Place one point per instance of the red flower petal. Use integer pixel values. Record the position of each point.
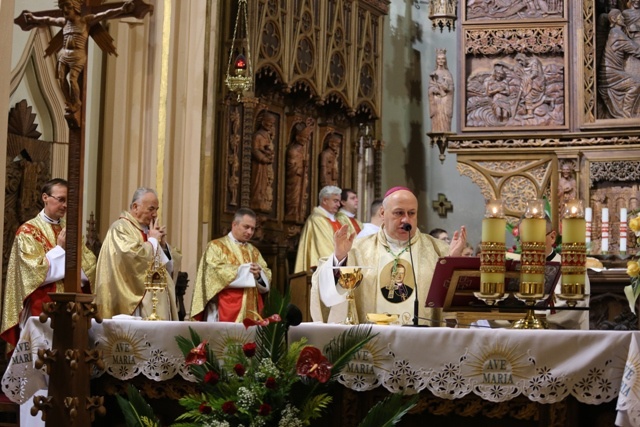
(239, 369)
(265, 409)
(313, 364)
(198, 355)
(211, 377)
(247, 322)
(229, 407)
(249, 349)
(204, 408)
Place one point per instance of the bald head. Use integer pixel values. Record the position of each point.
(399, 208)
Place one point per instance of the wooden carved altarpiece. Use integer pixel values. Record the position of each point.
(539, 106)
(318, 70)
(28, 168)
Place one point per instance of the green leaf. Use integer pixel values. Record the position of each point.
(314, 406)
(389, 411)
(344, 347)
(271, 340)
(136, 410)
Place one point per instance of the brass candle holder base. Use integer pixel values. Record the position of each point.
(530, 321)
(572, 293)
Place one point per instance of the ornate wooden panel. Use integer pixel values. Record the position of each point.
(318, 70)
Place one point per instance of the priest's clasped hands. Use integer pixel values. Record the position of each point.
(255, 269)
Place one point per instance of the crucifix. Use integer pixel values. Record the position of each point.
(69, 361)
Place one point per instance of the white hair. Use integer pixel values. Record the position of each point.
(137, 195)
(329, 190)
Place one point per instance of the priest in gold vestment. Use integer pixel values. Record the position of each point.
(37, 262)
(316, 238)
(232, 275)
(387, 255)
(130, 246)
(348, 210)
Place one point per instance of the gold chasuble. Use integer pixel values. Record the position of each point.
(217, 270)
(388, 286)
(316, 239)
(355, 226)
(122, 265)
(27, 270)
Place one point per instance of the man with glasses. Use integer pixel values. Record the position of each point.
(131, 244)
(37, 262)
(385, 253)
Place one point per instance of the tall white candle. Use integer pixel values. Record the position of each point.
(604, 236)
(588, 214)
(623, 230)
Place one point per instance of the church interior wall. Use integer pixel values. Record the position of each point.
(409, 159)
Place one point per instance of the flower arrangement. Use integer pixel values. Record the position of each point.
(633, 268)
(270, 382)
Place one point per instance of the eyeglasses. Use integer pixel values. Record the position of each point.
(59, 199)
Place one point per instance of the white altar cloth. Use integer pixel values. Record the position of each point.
(130, 348)
(496, 364)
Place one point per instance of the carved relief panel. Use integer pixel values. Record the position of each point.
(514, 76)
(317, 69)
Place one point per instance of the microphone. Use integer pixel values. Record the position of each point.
(407, 227)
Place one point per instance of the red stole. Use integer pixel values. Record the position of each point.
(335, 224)
(230, 300)
(354, 222)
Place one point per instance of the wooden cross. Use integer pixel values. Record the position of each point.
(442, 205)
(69, 402)
(79, 20)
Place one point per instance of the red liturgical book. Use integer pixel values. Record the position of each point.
(457, 278)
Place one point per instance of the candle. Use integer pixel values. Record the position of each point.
(588, 214)
(573, 250)
(533, 230)
(492, 256)
(604, 235)
(623, 231)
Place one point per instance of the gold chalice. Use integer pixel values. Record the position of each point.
(350, 278)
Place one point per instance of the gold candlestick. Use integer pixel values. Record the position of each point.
(533, 260)
(574, 253)
(492, 255)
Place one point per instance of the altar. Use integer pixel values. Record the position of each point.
(493, 365)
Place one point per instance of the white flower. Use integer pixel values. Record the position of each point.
(246, 398)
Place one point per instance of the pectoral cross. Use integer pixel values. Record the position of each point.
(79, 20)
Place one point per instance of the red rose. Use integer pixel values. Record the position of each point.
(270, 383)
(211, 377)
(265, 409)
(204, 408)
(229, 407)
(239, 370)
(249, 349)
(515, 231)
(313, 364)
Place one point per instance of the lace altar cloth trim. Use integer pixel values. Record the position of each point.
(130, 348)
(496, 365)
